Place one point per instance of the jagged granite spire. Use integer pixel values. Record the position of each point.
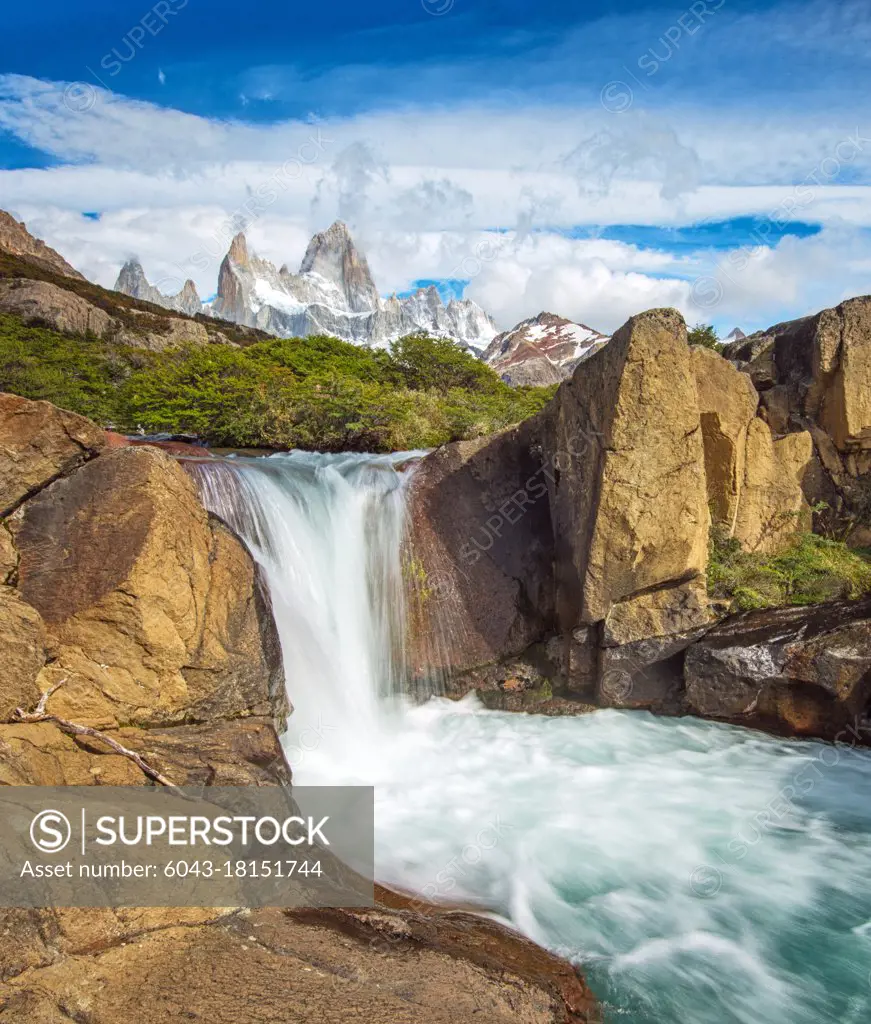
(333, 255)
(238, 251)
(334, 294)
(133, 282)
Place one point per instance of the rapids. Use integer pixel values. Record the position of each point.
(698, 873)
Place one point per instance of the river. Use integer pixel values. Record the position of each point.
(698, 873)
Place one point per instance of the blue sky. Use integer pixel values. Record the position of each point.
(590, 159)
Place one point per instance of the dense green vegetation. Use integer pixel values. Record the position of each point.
(811, 569)
(317, 393)
(704, 335)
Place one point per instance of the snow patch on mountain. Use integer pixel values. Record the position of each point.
(542, 350)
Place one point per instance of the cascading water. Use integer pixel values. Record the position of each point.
(700, 873)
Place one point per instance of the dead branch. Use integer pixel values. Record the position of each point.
(74, 729)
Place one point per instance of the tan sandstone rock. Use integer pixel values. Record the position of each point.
(39, 442)
(727, 404)
(153, 606)
(240, 753)
(630, 506)
(381, 966)
(22, 653)
(844, 348)
(772, 506)
(817, 369)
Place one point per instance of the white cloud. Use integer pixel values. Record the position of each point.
(424, 190)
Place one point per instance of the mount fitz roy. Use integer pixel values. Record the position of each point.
(333, 293)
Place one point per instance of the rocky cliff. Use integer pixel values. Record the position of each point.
(17, 240)
(41, 291)
(812, 376)
(574, 550)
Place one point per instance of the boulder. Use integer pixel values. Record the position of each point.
(772, 505)
(38, 443)
(628, 500)
(154, 609)
(727, 404)
(480, 562)
(40, 302)
(819, 368)
(802, 671)
(646, 673)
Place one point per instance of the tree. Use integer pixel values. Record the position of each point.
(704, 335)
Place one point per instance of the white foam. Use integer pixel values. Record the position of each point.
(645, 849)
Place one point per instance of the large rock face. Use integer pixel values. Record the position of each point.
(586, 527)
(772, 506)
(481, 555)
(804, 671)
(817, 369)
(727, 406)
(39, 442)
(22, 653)
(812, 374)
(629, 506)
(44, 303)
(154, 607)
(332, 255)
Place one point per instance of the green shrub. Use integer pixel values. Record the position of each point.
(810, 570)
(81, 374)
(705, 336)
(317, 393)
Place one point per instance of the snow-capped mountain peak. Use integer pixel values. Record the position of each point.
(542, 350)
(333, 293)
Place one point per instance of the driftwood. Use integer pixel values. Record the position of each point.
(74, 729)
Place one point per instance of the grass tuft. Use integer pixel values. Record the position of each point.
(810, 570)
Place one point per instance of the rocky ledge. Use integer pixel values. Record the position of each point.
(389, 964)
(145, 619)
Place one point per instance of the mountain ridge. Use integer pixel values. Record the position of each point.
(332, 293)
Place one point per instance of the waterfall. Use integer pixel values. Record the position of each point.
(699, 873)
(327, 532)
